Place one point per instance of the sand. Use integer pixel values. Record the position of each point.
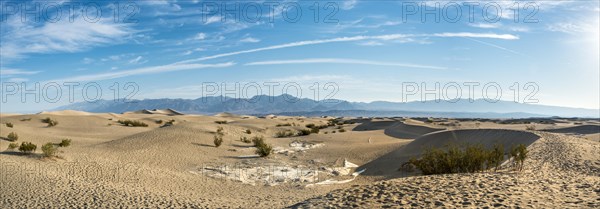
(109, 165)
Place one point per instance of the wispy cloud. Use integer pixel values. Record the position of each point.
(250, 40)
(345, 61)
(13, 72)
(138, 60)
(142, 71)
(496, 46)
(387, 37)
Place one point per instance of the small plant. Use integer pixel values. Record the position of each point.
(27, 147)
(10, 125)
(262, 148)
(50, 122)
(158, 121)
(221, 122)
(133, 123)
(519, 153)
(49, 150)
(245, 140)
(12, 136)
(26, 119)
(218, 138)
(248, 131)
(283, 124)
(530, 127)
(13, 146)
(65, 143)
(342, 130)
(283, 134)
(310, 125)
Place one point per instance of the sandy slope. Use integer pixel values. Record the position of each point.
(110, 165)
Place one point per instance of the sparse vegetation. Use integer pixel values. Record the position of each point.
(26, 119)
(283, 134)
(12, 136)
(51, 122)
(27, 147)
(133, 123)
(473, 158)
(158, 121)
(283, 124)
(10, 125)
(12, 146)
(65, 143)
(303, 132)
(530, 127)
(221, 122)
(342, 130)
(248, 131)
(49, 150)
(245, 140)
(262, 148)
(218, 138)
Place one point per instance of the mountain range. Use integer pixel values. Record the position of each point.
(289, 105)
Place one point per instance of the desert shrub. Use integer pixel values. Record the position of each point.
(49, 150)
(429, 120)
(470, 159)
(245, 140)
(158, 121)
(27, 147)
(13, 146)
(262, 148)
(315, 130)
(248, 131)
(530, 127)
(26, 119)
(133, 123)
(12, 136)
(10, 125)
(519, 154)
(283, 134)
(283, 124)
(310, 125)
(51, 122)
(333, 132)
(218, 140)
(257, 140)
(221, 122)
(303, 132)
(65, 143)
(325, 132)
(342, 130)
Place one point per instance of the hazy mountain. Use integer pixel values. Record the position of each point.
(289, 105)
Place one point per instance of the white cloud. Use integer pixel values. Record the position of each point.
(200, 36)
(18, 80)
(345, 61)
(12, 72)
(87, 60)
(20, 39)
(387, 37)
(138, 60)
(349, 4)
(212, 19)
(250, 40)
(485, 25)
(142, 71)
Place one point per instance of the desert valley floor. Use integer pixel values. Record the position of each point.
(354, 162)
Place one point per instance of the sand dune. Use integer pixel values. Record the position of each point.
(584, 129)
(168, 111)
(387, 166)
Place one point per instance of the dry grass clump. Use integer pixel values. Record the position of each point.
(284, 134)
(26, 119)
(248, 131)
(133, 123)
(530, 127)
(51, 122)
(283, 124)
(65, 143)
(10, 125)
(221, 122)
(245, 140)
(304, 132)
(470, 159)
(49, 150)
(12, 136)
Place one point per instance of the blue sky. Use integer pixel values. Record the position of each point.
(368, 49)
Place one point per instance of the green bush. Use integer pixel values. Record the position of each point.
(342, 130)
(283, 124)
(49, 150)
(50, 122)
(158, 121)
(471, 159)
(248, 131)
(12, 136)
(27, 147)
(13, 146)
(10, 125)
(530, 127)
(133, 123)
(221, 122)
(519, 154)
(310, 125)
(303, 132)
(262, 148)
(65, 143)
